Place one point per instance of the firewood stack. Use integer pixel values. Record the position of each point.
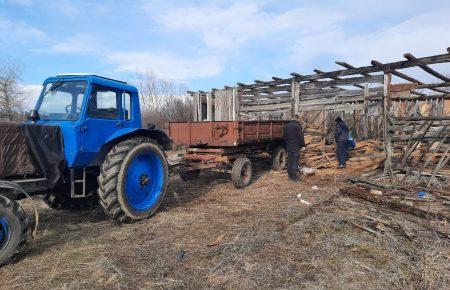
(319, 155)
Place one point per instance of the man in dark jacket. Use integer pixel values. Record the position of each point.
(293, 135)
(341, 137)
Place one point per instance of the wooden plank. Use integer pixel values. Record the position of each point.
(209, 116)
(295, 91)
(195, 106)
(428, 69)
(341, 82)
(266, 107)
(389, 150)
(366, 111)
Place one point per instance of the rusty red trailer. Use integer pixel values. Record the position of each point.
(228, 145)
(225, 133)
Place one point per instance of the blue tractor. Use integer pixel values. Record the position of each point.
(83, 144)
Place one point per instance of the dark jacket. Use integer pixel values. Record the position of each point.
(293, 134)
(341, 133)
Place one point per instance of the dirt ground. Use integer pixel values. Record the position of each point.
(209, 235)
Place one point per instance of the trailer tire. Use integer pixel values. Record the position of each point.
(241, 172)
(14, 229)
(279, 158)
(133, 179)
(189, 175)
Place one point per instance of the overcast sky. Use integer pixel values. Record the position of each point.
(215, 43)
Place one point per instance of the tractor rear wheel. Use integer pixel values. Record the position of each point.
(14, 229)
(241, 172)
(133, 179)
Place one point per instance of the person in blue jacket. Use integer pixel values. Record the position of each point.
(341, 137)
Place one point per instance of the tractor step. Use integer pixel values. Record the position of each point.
(74, 189)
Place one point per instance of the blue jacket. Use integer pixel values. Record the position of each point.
(341, 133)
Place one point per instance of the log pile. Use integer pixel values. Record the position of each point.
(319, 155)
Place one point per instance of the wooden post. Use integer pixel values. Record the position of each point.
(233, 107)
(295, 93)
(237, 104)
(199, 108)
(209, 116)
(195, 107)
(366, 111)
(387, 134)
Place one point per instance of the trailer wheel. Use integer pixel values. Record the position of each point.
(279, 158)
(14, 229)
(189, 175)
(133, 179)
(241, 172)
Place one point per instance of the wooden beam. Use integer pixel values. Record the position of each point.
(426, 68)
(366, 111)
(387, 134)
(356, 85)
(295, 91)
(403, 76)
(195, 106)
(347, 81)
(209, 116)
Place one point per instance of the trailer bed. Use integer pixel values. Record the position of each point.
(225, 133)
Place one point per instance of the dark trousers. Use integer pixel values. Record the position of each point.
(293, 159)
(342, 152)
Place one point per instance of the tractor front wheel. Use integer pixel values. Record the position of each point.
(14, 229)
(133, 179)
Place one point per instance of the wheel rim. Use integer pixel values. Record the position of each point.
(144, 181)
(5, 232)
(246, 172)
(282, 159)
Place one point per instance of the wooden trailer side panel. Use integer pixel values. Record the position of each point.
(225, 133)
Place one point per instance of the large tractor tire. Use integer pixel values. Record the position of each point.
(14, 229)
(133, 179)
(241, 172)
(279, 158)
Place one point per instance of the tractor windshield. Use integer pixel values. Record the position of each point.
(61, 100)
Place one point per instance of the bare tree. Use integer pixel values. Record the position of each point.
(163, 101)
(11, 93)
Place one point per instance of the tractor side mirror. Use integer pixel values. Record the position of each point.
(151, 126)
(33, 116)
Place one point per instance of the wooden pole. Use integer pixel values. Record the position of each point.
(387, 134)
(366, 111)
(209, 116)
(199, 108)
(295, 93)
(195, 107)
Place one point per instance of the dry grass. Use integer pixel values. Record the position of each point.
(259, 237)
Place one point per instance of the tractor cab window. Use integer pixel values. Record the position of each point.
(61, 100)
(126, 106)
(103, 103)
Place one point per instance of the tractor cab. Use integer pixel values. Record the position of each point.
(90, 110)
